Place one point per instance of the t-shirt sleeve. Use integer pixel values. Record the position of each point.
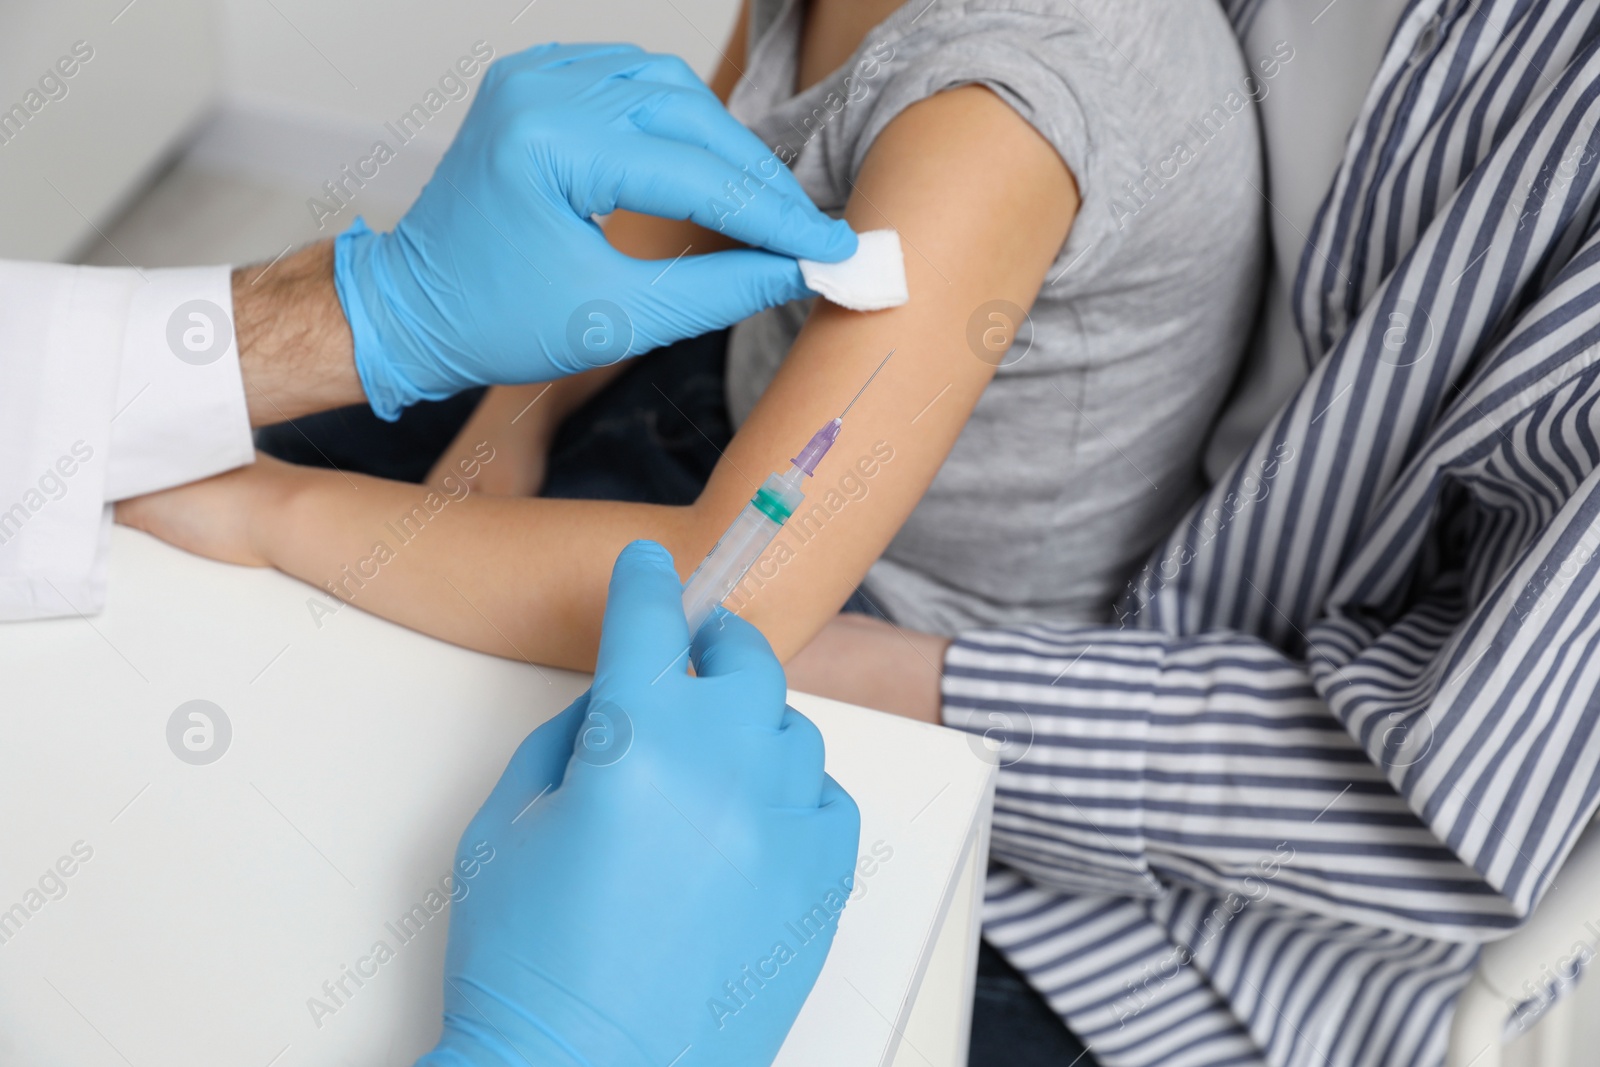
(1057, 72)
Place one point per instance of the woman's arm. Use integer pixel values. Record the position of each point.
(983, 204)
(861, 660)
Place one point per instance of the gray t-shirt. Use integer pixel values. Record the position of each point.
(1084, 451)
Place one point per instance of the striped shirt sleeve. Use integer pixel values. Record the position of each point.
(1133, 762)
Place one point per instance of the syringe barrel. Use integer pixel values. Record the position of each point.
(737, 550)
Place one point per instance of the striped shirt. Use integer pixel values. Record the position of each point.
(1346, 730)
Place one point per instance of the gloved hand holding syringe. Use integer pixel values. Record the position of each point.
(737, 550)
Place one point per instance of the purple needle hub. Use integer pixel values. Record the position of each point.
(817, 447)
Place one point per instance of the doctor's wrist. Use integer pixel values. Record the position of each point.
(295, 350)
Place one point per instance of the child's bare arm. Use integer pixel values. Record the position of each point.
(519, 422)
(983, 204)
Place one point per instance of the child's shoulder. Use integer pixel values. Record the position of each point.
(1115, 86)
(1148, 102)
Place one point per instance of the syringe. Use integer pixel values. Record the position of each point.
(737, 550)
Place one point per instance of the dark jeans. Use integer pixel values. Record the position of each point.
(652, 437)
(1012, 1026)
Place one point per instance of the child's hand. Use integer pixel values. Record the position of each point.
(220, 517)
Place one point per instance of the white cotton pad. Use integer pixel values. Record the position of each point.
(871, 280)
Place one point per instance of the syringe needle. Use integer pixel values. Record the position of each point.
(863, 388)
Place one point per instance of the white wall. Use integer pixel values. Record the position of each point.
(309, 85)
(370, 58)
(295, 89)
(152, 74)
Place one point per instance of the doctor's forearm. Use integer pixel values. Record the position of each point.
(295, 349)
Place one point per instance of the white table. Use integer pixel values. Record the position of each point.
(220, 896)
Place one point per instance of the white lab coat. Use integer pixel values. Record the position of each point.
(97, 406)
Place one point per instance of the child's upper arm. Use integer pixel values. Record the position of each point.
(983, 204)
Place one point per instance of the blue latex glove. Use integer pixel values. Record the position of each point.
(499, 275)
(653, 847)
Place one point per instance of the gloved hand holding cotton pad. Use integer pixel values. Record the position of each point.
(871, 280)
